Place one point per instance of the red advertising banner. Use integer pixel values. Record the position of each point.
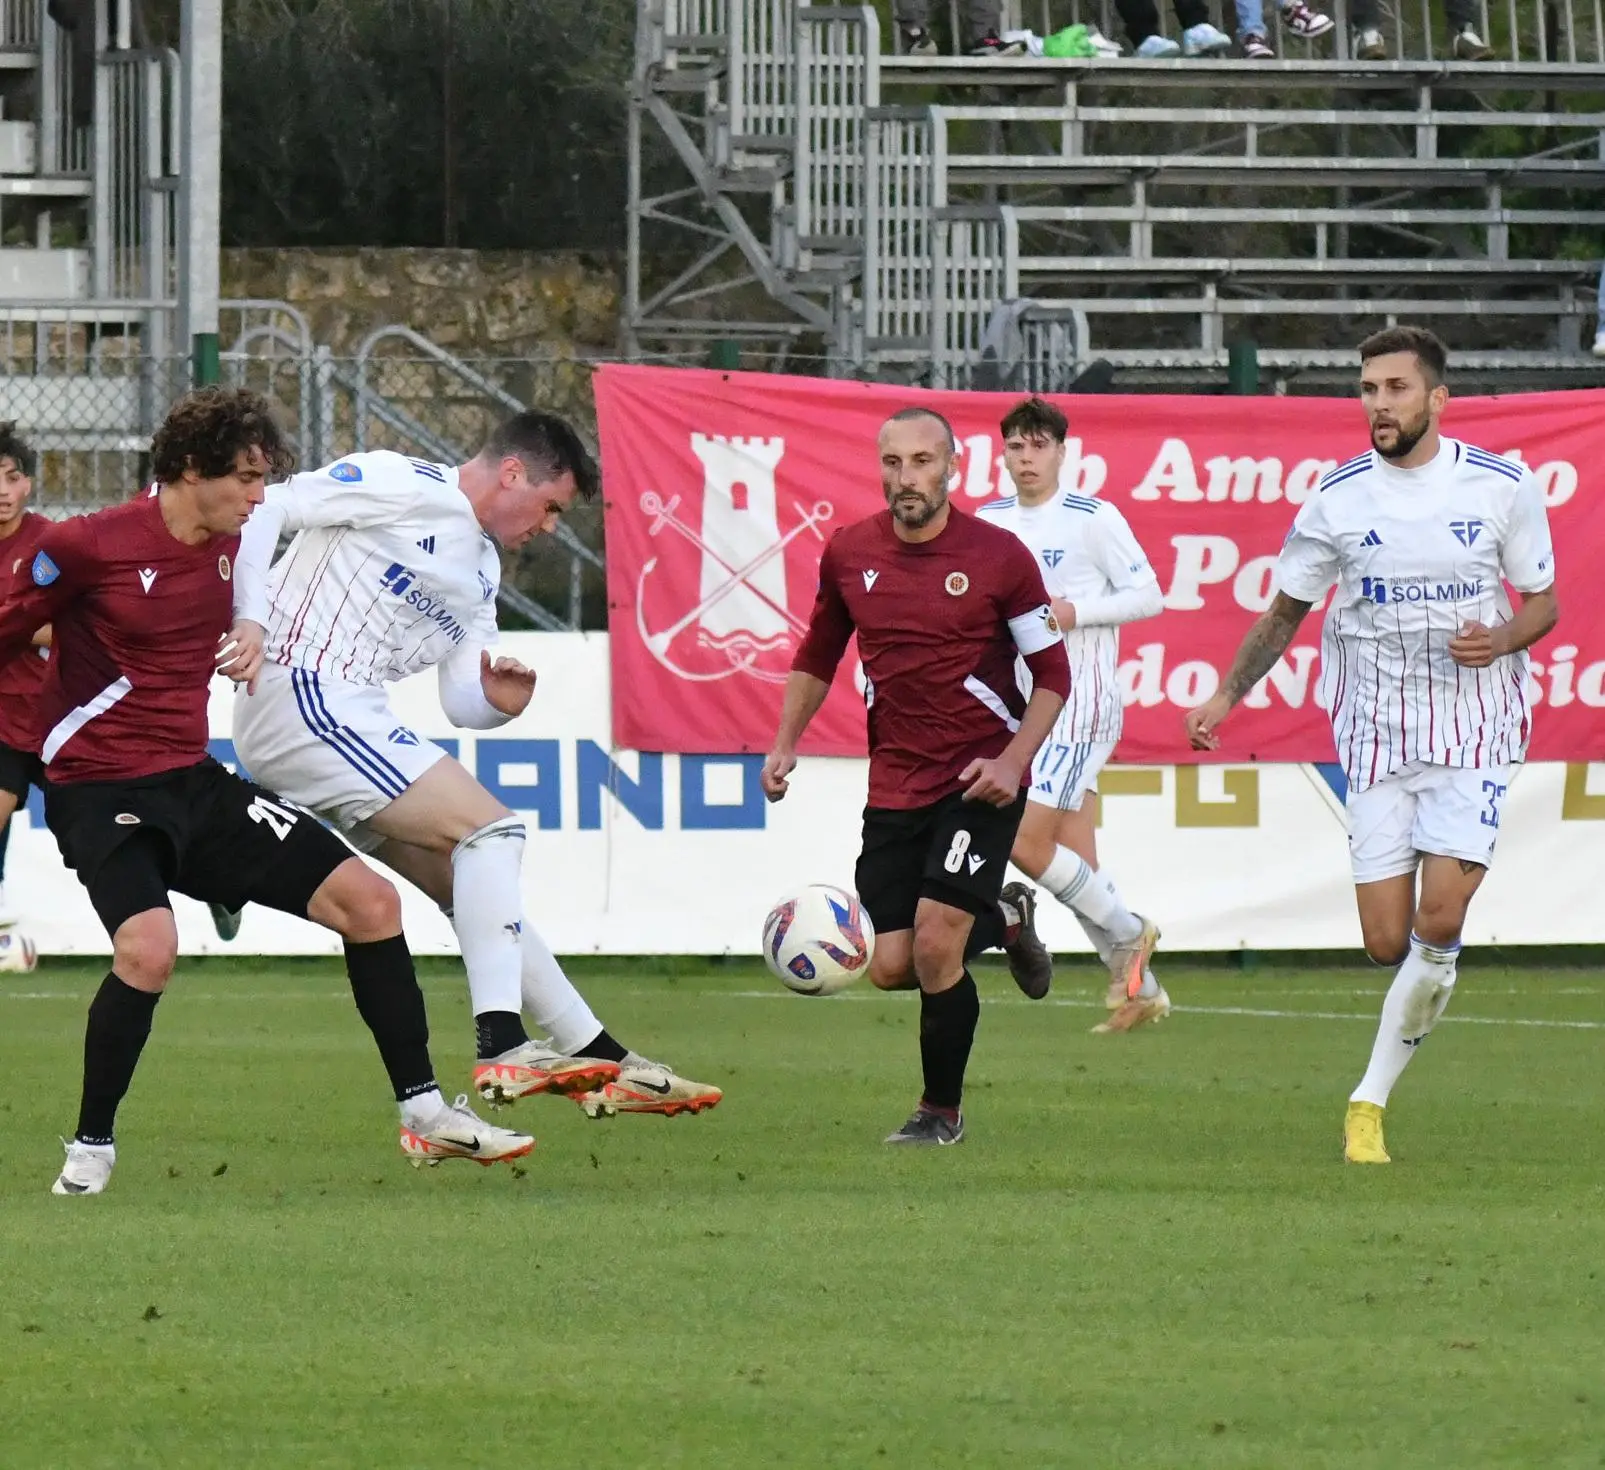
(722, 488)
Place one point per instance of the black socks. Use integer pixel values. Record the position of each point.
(947, 1029)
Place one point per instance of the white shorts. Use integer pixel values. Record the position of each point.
(1063, 774)
(337, 749)
(1445, 811)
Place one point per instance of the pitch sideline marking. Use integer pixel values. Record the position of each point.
(1254, 1011)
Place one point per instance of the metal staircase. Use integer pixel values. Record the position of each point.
(1050, 212)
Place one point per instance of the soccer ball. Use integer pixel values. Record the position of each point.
(818, 941)
(17, 954)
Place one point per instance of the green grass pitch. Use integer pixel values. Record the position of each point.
(1146, 1253)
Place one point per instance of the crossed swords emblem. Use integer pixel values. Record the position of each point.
(743, 657)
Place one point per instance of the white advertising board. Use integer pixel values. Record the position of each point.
(662, 854)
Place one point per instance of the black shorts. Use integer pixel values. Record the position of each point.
(954, 851)
(20, 769)
(201, 831)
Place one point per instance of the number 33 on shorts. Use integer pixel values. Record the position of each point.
(1494, 791)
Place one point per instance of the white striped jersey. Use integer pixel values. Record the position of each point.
(1415, 555)
(1086, 552)
(389, 571)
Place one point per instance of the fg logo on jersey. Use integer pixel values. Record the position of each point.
(45, 571)
(346, 474)
(1052, 556)
(486, 589)
(401, 735)
(1466, 532)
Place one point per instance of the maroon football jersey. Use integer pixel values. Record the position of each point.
(939, 623)
(137, 616)
(22, 678)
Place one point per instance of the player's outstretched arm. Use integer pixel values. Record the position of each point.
(805, 693)
(1264, 643)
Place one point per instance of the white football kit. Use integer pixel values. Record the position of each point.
(1427, 745)
(1088, 557)
(388, 574)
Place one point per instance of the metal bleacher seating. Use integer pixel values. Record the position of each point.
(890, 210)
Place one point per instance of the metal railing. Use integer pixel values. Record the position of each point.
(1568, 32)
(84, 388)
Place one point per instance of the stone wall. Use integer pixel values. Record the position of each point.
(503, 303)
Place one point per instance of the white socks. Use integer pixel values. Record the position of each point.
(1418, 996)
(419, 1113)
(551, 999)
(1090, 894)
(487, 912)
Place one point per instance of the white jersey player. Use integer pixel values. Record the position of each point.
(1424, 668)
(394, 568)
(1098, 577)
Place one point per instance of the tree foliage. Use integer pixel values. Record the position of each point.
(491, 124)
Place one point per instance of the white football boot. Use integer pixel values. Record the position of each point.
(649, 1087)
(457, 1132)
(87, 1170)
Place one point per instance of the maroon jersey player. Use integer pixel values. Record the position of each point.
(140, 602)
(20, 681)
(942, 604)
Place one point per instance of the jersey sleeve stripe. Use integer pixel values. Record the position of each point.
(1484, 460)
(1344, 472)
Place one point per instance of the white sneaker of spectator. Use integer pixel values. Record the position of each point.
(1368, 45)
(1204, 40)
(1469, 46)
(1599, 343)
(1157, 48)
(1257, 48)
(1303, 22)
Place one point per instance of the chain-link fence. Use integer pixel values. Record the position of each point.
(89, 403)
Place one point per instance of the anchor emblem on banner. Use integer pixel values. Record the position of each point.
(742, 613)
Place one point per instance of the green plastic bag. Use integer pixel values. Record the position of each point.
(1071, 41)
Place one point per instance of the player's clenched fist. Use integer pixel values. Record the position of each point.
(778, 764)
(1474, 647)
(996, 782)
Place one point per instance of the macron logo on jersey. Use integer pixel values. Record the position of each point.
(1417, 589)
(869, 580)
(1466, 532)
